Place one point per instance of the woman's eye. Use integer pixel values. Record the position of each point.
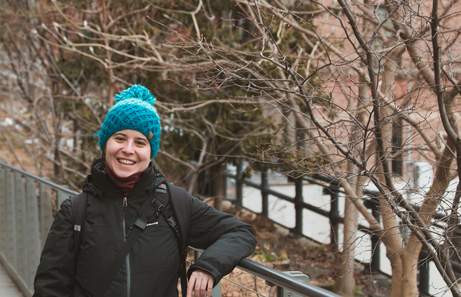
(141, 143)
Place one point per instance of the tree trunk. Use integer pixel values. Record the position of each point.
(218, 185)
(393, 242)
(345, 282)
(193, 181)
(428, 208)
(392, 239)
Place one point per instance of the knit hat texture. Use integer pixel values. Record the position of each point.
(133, 109)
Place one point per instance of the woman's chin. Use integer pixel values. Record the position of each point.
(124, 172)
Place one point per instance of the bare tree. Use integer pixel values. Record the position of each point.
(340, 79)
(345, 76)
(84, 54)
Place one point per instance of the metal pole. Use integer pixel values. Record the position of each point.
(375, 242)
(21, 235)
(264, 194)
(333, 216)
(61, 196)
(33, 233)
(298, 206)
(239, 186)
(10, 220)
(283, 280)
(423, 285)
(46, 213)
(3, 238)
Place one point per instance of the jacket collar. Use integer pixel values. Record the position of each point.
(100, 182)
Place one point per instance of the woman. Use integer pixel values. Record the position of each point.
(118, 186)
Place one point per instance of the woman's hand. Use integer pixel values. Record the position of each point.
(200, 282)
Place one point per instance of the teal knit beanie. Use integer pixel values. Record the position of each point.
(133, 109)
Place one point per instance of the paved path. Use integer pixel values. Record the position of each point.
(7, 287)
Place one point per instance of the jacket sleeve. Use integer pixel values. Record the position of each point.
(225, 239)
(55, 273)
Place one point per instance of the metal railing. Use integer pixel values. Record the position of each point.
(27, 205)
(276, 278)
(283, 280)
(331, 187)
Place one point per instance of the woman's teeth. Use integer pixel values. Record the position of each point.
(127, 162)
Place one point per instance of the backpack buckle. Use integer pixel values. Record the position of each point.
(172, 222)
(157, 205)
(140, 224)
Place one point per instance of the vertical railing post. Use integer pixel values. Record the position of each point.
(239, 186)
(10, 219)
(21, 235)
(298, 206)
(423, 285)
(33, 236)
(333, 215)
(375, 242)
(264, 194)
(3, 215)
(46, 213)
(60, 199)
(283, 292)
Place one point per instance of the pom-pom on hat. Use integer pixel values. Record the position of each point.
(133, 109)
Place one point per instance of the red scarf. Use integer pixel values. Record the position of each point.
(125, 183)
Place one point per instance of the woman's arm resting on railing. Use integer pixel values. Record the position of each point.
(225, 239)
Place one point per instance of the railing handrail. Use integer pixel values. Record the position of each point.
(280, 279)
(373, 194)
(40, 179)
(331, 182)
(283, 280)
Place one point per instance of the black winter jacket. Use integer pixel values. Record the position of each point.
(152, 266)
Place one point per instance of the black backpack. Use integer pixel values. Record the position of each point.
(177, 216)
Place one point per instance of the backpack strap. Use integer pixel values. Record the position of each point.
(181, 208)
(79, 203)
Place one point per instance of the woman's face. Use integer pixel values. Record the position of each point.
(127, 152)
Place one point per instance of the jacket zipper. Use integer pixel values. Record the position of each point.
(127, 260)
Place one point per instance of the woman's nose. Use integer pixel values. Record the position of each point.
(128, 148)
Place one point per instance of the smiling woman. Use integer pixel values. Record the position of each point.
(126, 195)
(127, 152)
